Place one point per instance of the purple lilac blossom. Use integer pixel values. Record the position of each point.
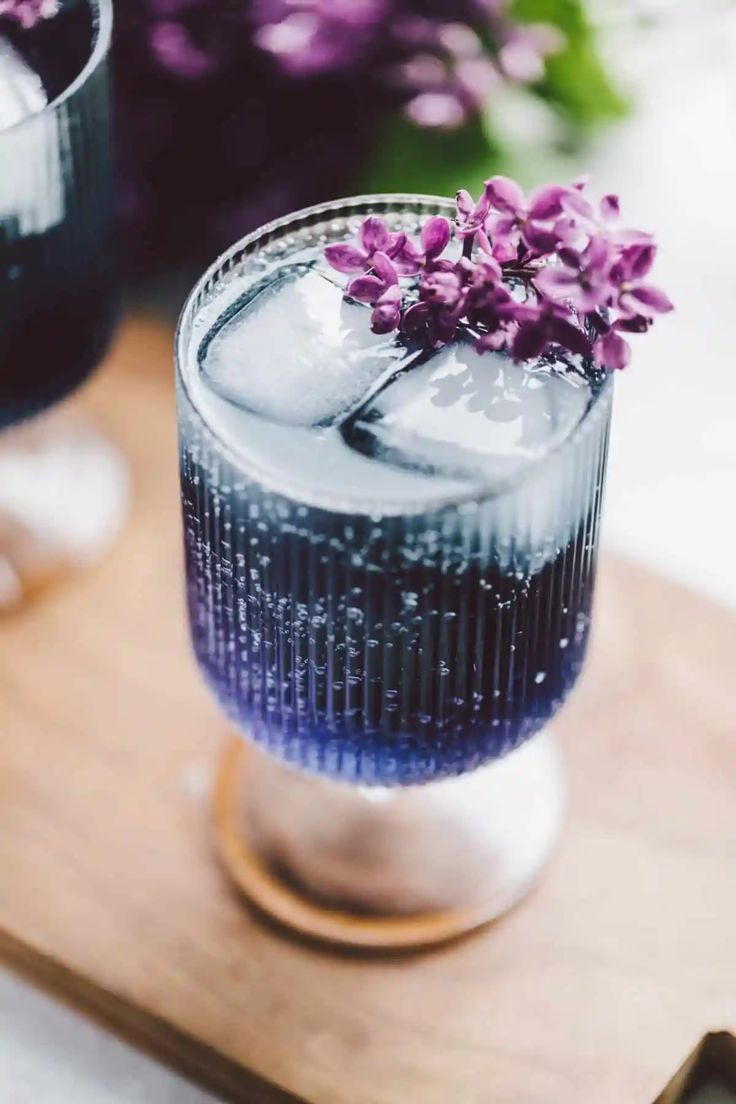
(373, 237)
(584, 277)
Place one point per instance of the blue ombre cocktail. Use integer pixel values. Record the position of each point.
(390, 550)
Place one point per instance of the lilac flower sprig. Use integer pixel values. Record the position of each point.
(552, 270)
(27, 13)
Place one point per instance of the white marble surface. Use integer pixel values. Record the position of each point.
(673, 464)
(51, 1055)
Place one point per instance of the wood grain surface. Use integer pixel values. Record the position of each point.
(593, 990)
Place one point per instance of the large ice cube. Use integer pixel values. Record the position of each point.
(294, 350)
(460, 414)
(21, 89)
(31, 183)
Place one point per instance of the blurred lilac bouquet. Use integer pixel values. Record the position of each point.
(444, 62)
(28, 12)
(232, 112)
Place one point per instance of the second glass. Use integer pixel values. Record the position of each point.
(62, 486)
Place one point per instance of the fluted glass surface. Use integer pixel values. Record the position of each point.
(56, 254)
(368, 643)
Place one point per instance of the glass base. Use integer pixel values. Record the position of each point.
(63, 498)
(387, 868)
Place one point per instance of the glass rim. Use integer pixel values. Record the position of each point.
(103, 10)
(382, 202)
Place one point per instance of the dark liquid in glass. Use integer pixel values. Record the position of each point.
(321, 637)
(56, 283)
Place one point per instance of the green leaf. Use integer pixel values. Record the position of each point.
(576, 85)
(568, 15)
(576, 80)
(409, 158)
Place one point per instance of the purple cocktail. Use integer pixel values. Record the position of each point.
(390, 555)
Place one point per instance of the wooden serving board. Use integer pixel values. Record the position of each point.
(593, 990)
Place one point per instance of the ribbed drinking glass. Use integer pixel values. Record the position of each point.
(390, 558)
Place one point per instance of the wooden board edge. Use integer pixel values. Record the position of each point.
(184, 1054)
